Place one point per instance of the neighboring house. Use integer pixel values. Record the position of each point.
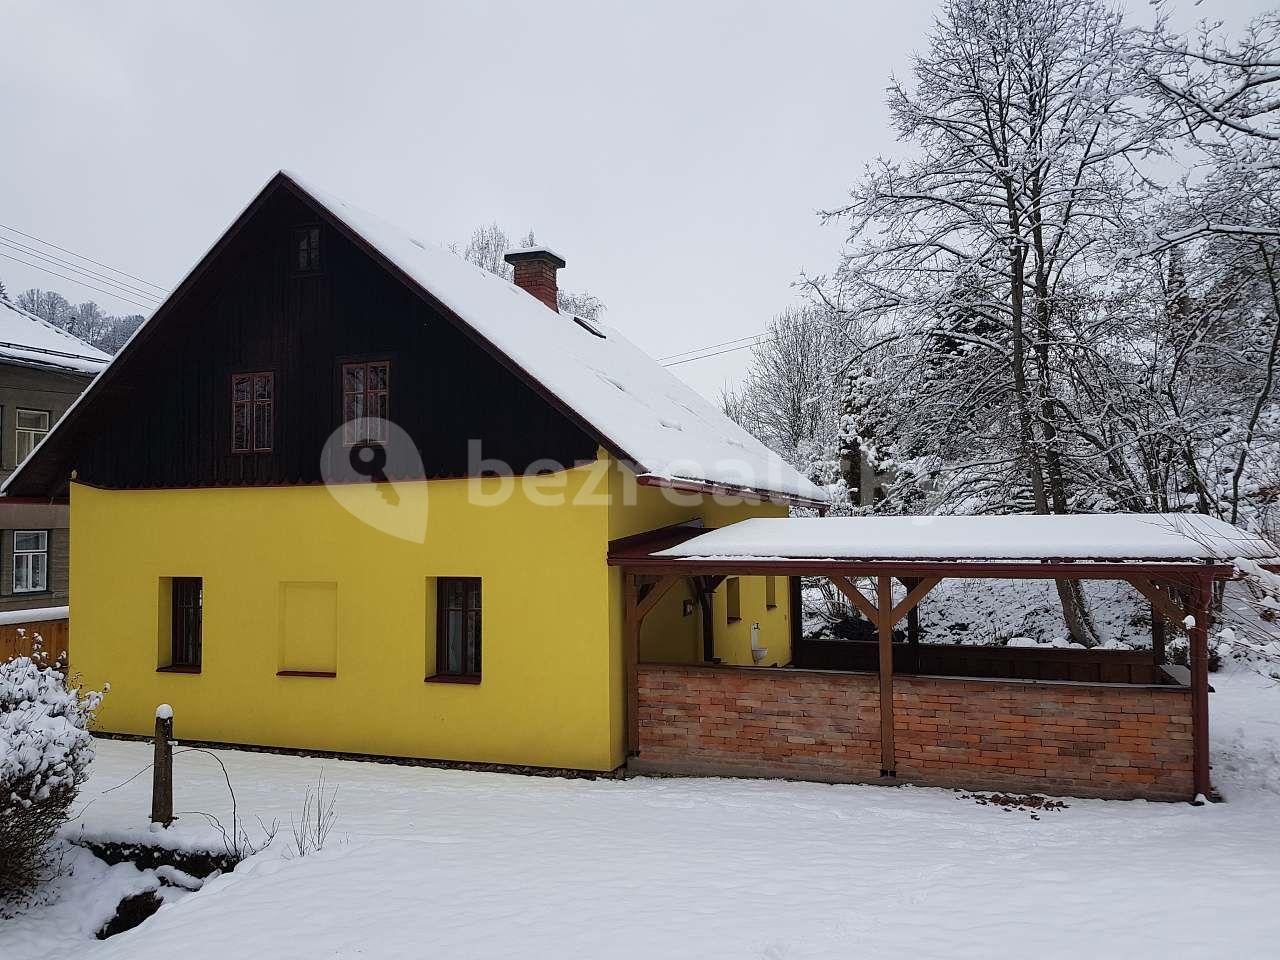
(216, 571)
(43, 369)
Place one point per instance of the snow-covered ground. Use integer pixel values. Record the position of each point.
(433, 863)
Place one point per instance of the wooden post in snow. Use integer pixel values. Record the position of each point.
(1201, 603)
(162, 768)
(884, 625)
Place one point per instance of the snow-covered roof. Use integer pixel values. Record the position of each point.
(1114, 536)
(28, 341)
(33, 615)
(635, 406)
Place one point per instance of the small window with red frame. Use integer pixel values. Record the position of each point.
(252, 412)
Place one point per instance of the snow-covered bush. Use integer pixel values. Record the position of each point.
(1251, 617)
(45, 751)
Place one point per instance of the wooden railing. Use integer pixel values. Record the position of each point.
(958, 660)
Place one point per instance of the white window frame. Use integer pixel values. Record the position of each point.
(27, 560)
(31, 436)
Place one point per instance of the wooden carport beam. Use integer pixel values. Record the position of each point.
(654, 595)
(1194, 619)
(858, 599)
(1173, 611)
(884, 615)
(913, 598)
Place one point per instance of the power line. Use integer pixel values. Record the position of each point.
(706, 356)
(78, 256)
(672, 360)
(712, 346)
(76, 268)
(109, 293)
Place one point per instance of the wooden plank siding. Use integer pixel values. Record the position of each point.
(166, 420)
(53, 632)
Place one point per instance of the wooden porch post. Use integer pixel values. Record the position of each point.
(631, 659)
(884, 624)
(705, 590)
(1157, 635)
(634, 609)
(795, 604)
(884, 615)
(1201, 602)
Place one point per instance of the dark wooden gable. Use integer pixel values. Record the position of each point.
(162, 417)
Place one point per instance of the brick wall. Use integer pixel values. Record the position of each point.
(1075, 739)
(760, 722)
(1078, 739)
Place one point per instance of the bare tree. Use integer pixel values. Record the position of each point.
(1224, 94)
(789, 399)
(1026, 119)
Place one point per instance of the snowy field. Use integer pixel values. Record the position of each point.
(433, 863)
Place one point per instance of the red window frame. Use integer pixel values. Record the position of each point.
(366, 401)
(255, 406)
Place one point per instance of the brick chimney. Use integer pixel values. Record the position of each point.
(536, 272)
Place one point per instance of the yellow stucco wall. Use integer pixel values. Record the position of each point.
(668, 635)
(543, 698)
(293, 581)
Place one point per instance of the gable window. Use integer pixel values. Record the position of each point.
(252, 412)
(29, 427)
(30, 561)
(306, 249)
(366, 401)
(187, 607)
(458, 626)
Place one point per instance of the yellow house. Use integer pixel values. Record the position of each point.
(345, 491)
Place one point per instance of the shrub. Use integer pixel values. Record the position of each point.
(45, 750)
(1177, 651)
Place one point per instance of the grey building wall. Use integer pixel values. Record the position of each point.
(33, 389)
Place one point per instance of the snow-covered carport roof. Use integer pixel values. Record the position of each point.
(1033, 546)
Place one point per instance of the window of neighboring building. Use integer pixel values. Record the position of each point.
(458, 626)
(252, 412)
(306, 249)
(733, 599)
(770, 592)
(187, 607)
(30, 561)
(29, 427)
(366, 401)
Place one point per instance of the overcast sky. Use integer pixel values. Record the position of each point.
(674, 153)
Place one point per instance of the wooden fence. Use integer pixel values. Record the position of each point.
(962, 660)
(14, 644)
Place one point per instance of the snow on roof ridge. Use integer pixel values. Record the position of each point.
(94, 354)
(27, 340)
